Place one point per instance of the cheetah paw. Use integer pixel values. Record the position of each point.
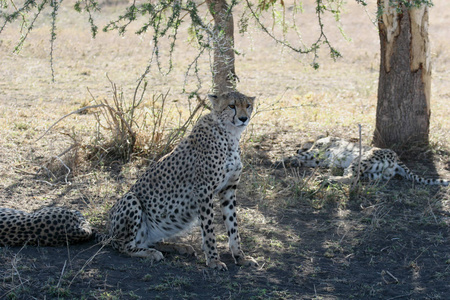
(156, 256)
(150, 254)
(339, 179)
(184, 249)
(218, 265)
(247, 261)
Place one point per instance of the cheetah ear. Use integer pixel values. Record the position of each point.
(213, 99)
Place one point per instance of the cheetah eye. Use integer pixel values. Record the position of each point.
(248, 105)
(232, 106)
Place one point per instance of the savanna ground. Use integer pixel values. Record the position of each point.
(386, 241)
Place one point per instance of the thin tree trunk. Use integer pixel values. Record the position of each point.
(224, 75)
(403, 109)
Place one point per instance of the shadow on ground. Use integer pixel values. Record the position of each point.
(385, 242)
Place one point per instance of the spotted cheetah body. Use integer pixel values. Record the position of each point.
(376, 163)
(178, 190)
(53, 226)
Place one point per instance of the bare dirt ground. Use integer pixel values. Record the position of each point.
(387, 241)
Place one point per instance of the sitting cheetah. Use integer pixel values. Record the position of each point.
(376, 163)
(52, 226)
(178, 189)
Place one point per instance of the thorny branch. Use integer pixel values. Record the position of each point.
(164, 18)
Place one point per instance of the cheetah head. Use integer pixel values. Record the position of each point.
(233, 108)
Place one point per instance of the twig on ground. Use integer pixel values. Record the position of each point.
(68, 170)
(65, 116)
(357, 177)
(14, 271)
(62, 274)
(400, 296)
(384, 272)
(432, 213)
(86, 264)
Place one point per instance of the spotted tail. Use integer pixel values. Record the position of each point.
(404, 171)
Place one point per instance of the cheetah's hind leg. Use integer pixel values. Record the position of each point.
(150, 253)
(126, 222)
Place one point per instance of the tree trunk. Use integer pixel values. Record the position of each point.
(403, 109)
(224, 75)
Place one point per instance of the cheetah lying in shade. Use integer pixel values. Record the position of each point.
(166, 201)
(178, 190)
(51, 226)
(376, 163)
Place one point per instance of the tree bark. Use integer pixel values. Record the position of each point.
(403, 109)
(224, 75)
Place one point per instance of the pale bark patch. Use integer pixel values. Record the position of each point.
(420, 50)
(391, 23)
(420, 47)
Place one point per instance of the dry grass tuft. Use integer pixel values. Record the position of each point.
(139, 127)
(118, 120)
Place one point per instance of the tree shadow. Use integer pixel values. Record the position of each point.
(380, 244)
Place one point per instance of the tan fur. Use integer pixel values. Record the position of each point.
(178, 190)
(376, 163)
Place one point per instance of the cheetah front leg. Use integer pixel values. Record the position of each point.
(209, 245)
(228, 206)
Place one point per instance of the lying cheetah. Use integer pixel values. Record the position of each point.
(376, 163)
(178, 189)
(46, 227)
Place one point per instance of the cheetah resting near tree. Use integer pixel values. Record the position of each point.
(376, 163)
(178, 189)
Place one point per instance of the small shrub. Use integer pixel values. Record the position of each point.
(146, 127)
(123, 129)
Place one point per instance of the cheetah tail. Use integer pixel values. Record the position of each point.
(407, 173)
